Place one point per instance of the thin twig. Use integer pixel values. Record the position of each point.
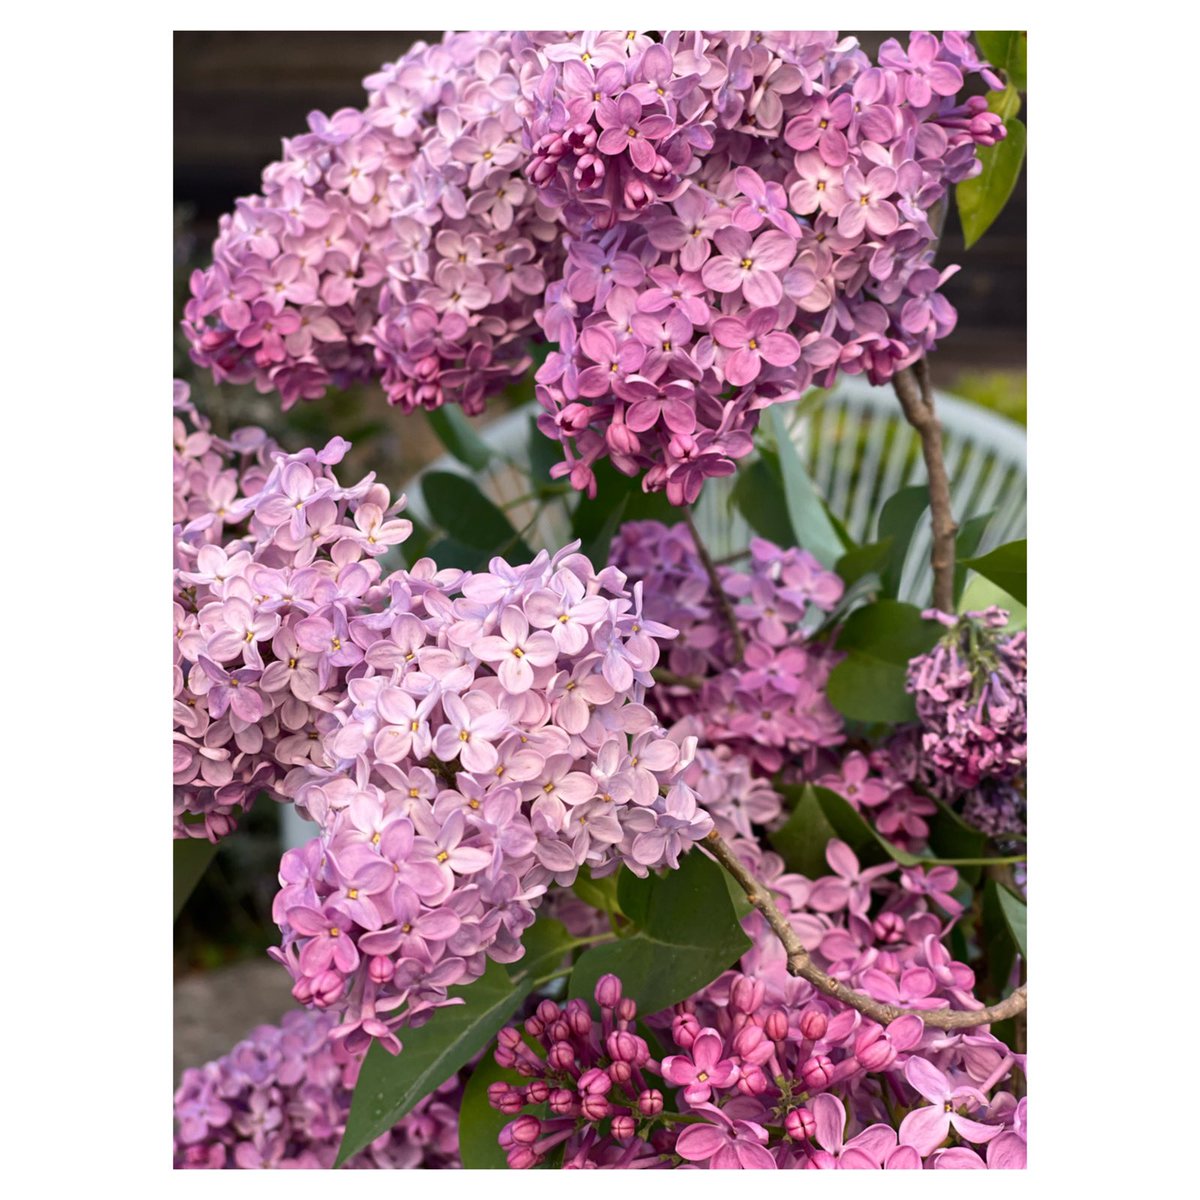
(718, 590)
(915, 394)
(799, 962)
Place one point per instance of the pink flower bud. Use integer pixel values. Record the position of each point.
(684, 1029)
(538, 1092)
(752, 1081)
(621, 439)
(626, 1009)
(650, 1102)
(608, 991)
(627, 1047)
(595, 1108)
(534, 1027)
(888, 927)
(561, 1056)
(873, 1050)
(525, 1130)
(620, 1072)
(813, 1025)
(594, 1081)
(623, 1127)
(776, 1025)
(562, 1102)
(800, 1124)
(580, 1022)
(817, 1071)
(327, 989)
(380, 969)
(746, 995)
(548, 1012)
(522, 1158)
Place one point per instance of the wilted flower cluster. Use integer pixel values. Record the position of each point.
(771, 700)
(280, 1099)
(273, 561)
(493, 742)
(704, 224)
(761, 1071)
(398, 241)
(748, 214)
(970, 690)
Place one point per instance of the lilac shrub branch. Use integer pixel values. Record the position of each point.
(799, 962)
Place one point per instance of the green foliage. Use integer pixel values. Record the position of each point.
(619, 498)
(685, 933)
(755, 494)
(812, 528)
(599, 893)
(1006, 49)
(862, 561)
(879, 639)
(192, 856)
(802, 840)
(980, 200)
(476, 529)
(390, 1085)
(982, 593)
(1005, 567)
(898, 521)
(456, 433)
(1013, 908)
(479, 1124)
(967, 542)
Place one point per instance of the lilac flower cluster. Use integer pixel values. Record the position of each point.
(761, 1071)
(704, 223)
(273, 560)
(398, 241)
(747, 214)
(493, 741)
(970, 690)
(280, 1099)
(769, 702)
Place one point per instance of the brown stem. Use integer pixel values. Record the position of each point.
(915, 393)
(718, 591)
(799, 962)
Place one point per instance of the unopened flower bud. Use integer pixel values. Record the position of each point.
(608, 991)
(562, 1102)
(746, 994)
(595, 1108)
(776, 1025)
(800, 1124)
(813, 1025)
(525, 1130)
(817, 1071)
(380, 969)
(650, 1102)
(623, 1127)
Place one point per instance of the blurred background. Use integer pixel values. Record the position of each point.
(236, 96)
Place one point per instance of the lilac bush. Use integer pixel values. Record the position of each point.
(550, 761)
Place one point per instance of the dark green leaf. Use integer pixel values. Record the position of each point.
(1006, 104)
(802, 841)
(756, 493)
(864, 560)
(997, 940)
(951, 837)
(470, 518)
(612, 491)
(1005, 567)
(982, 593)
(687, 933)
(192, 856)
(898, 520)
(449, 552)
(858, 833)
(389, 1085)
(812, 529)
(597, 549)
(980, 200)
(418, 541)
(879, 639)
(455, 432)
(967, 542)
(1015, 913)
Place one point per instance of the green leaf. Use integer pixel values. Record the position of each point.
(967, 542)
(390, 1085)
(418, 542)
(456, 433)
(1005, 567)
(952, 838)
(470, 518)
(997, 941)
(192, 856)
(479, 1124)
(811, 527)
(597, 549)
(858, 833)
(1006, 49)
(879, 639)
(863, 561)
(686, 934)
(615, 491)
(802, 841)
(1014, 910)
(1006, 104)
(982, 593)
(755, 494)
(980, 200)
(898, 521)
(599, 893)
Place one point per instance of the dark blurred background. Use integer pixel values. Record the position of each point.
(236, 96)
